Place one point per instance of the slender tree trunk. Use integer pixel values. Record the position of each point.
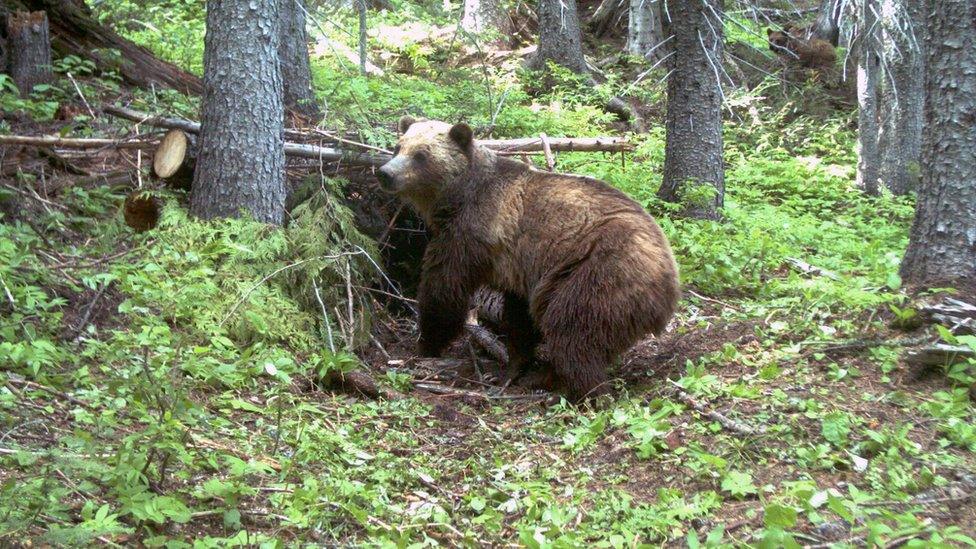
(693, 165)
(827, 25)
(560, 40)
(296, 74)
(30, 51)
(903, 95)
(240, 168)
(486, 16)
(361, 5)
(942, 248)
(645, 32)
(868, 71)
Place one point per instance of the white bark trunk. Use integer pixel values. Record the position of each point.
(868, 157)
(902, 95)
(644, 31)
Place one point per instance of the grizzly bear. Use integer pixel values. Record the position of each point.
(584, 270)
(795, 46)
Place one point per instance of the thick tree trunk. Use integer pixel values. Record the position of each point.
(240, 167)
(560, 40)
(30, 50)
(75, 32)
(693, 166)
(942, 248)
(903, 95)
(296, 73)
(486, 17)
(868, 71)
(827, 25)
(645, 32)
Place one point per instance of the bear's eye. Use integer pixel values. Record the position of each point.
(420, 156)
(396, 150)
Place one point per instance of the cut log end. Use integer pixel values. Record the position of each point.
(170, 154)
(142, 211)
(174, 159)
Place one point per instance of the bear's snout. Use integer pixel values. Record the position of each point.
(389, 174)
(386, 178)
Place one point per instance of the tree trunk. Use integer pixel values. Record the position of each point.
(75, 32)
(942, 248)
(296, 73)
(560, 40)
(486, 16)
(241, 159)
(902, 95)
(30, 50)
(608, 16)
(693, 166)
(645, 32)
(827, 25)
(361, 8)
(868, 70)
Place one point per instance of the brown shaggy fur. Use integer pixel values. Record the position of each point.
(795, 46)
(585, 271)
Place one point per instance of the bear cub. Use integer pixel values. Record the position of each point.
(796, 46)
(585, 272)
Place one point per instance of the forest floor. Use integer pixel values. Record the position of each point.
(179, 387)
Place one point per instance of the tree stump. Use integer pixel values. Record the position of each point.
(30, 50)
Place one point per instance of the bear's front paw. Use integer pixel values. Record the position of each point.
(428, 349)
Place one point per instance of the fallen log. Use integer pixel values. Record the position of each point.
(528, 144)
(298, 150)
(940, 354)
(74, 143)
(74, 31)
(171, 123)
(955, 314)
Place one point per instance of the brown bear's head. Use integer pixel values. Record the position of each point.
(784, 41)
(429, 156)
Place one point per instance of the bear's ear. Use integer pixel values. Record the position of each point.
(405, 123)
(462, 134)
(769, 31)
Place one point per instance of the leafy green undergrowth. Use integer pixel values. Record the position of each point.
(187, 409)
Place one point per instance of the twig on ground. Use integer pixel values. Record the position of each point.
(13, 378)
(724, 421)
(81, 95)
(711, 299)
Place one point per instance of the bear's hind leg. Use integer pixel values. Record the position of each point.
(521, 337)
(579, 366)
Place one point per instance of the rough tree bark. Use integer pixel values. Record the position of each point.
(868, 71)
(560, 40)
(296, 73)
(942, 247)
(693, 125)
(827, 25)
(486, 16)
(240, 167)
(75, 32)
(645, 31)
(30, 50)
(902, 94)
